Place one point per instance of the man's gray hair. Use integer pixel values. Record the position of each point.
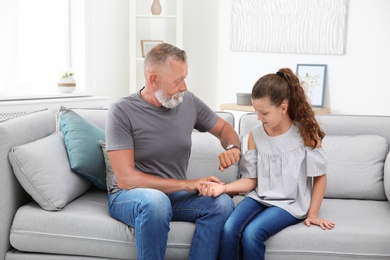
(160, 54)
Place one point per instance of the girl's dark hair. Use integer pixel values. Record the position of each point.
(284, 85)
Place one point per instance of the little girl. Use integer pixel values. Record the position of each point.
(284, 169)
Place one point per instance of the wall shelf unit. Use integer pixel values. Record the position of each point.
(166, 27)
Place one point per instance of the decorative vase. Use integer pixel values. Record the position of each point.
(66, 84)
(156, 7)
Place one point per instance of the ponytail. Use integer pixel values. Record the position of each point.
(300, 110)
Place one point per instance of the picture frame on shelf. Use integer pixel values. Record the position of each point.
(147, 45)
(313, 79)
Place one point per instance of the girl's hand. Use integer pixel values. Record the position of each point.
(322, 223)
(210, 188)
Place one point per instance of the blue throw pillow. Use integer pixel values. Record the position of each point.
(82, 144)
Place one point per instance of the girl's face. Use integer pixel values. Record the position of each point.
(270, 115)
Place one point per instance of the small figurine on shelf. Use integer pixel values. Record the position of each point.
(156, 7)
(66, 82)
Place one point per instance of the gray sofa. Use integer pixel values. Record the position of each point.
(79, 226)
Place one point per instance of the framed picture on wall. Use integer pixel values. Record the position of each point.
(313, 80)
(147, 45)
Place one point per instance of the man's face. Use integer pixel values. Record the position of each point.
(171, 84)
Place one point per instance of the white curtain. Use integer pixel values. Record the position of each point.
(34, 46)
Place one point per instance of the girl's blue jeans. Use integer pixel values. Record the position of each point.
(249, 226)
(150, 211)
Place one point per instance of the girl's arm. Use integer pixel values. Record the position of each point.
(215, 189)
(319, 186)
(238, 186)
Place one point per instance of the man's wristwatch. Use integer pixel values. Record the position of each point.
(231, 146)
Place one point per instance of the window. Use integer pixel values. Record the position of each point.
(34, 46)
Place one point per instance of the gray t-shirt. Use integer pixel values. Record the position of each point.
(160, 137)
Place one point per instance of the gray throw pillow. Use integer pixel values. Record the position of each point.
(355, 166)
(109, 171)
(42, 168)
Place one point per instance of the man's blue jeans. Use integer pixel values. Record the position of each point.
(249, 226)
(150, 211)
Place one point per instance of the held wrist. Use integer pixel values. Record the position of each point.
(225, 190)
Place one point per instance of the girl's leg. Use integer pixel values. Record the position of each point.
(243, 214)
(269, 222)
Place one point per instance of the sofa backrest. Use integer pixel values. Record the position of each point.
(16, 131)
(205, 150)
(335, 124)
(357, 148)
(95, 115)
(356, 125)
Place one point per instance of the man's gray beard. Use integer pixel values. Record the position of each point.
(167, 101)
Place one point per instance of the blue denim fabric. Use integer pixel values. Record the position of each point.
(249, 226)
(150, 211)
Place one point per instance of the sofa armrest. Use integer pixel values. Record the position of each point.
(386, 176)
(14, 132)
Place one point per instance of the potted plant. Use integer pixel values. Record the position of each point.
(66, 82)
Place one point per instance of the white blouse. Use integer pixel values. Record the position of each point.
(284, 167)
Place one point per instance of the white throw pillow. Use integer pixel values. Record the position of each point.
(43, 170)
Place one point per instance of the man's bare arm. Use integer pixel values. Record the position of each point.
(122, 163)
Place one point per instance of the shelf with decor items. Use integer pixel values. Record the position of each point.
(147, 30)
(235, 107)
(239, 110)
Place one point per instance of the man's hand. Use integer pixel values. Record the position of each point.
(227, 136)
(211, 189)
(193, 185)
(228, 158)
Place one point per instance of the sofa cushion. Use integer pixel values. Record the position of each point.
(355, 166)
(85, 228)
(361, 232)
(42, 169)
(82, 143)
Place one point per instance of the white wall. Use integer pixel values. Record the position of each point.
(201, 42)
(107, 47)
(357, 82)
